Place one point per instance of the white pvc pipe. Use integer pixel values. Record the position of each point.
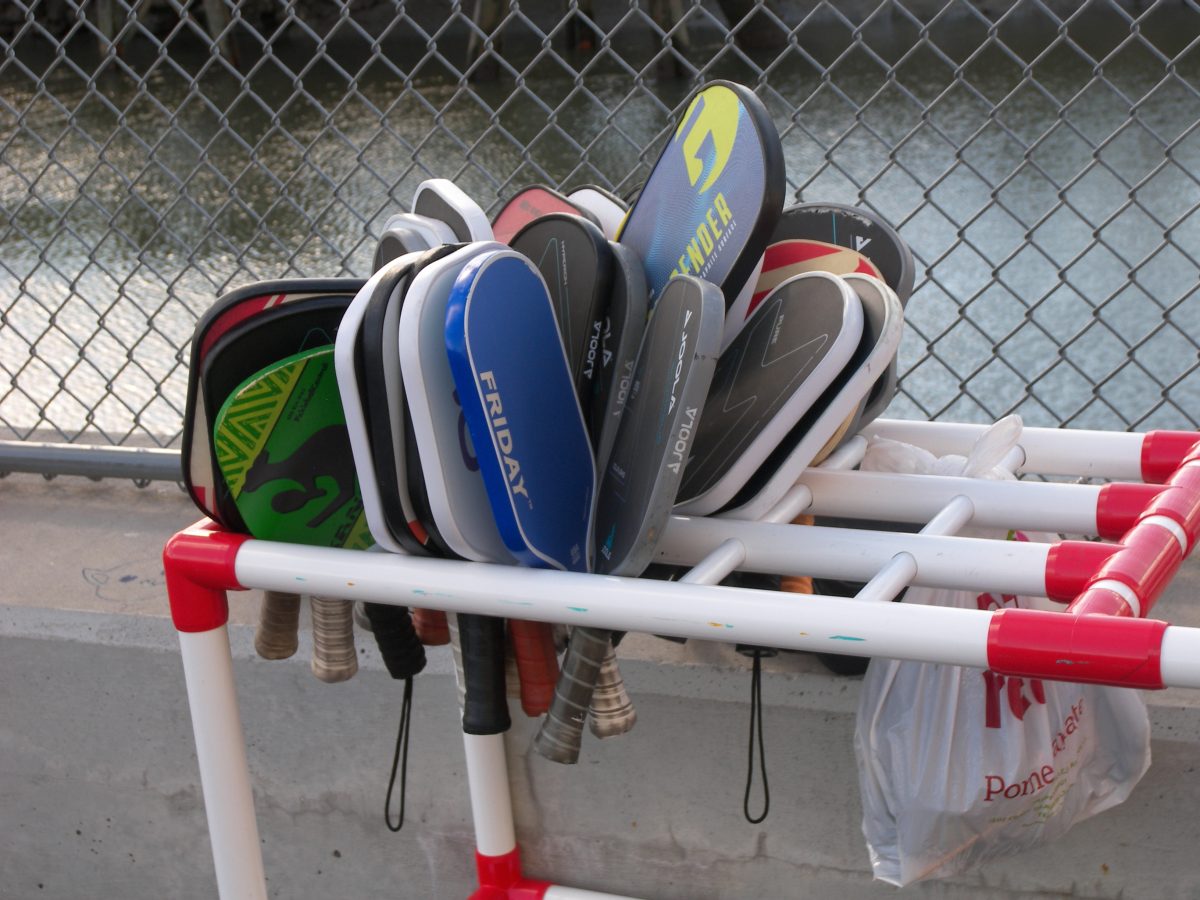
(1180, 659)
(900, 570)
(718, 564)
(224, 773)
(1048, 451)
(952, 517)
(558, 892)
(491, 803)
(890, 580)
(814, 622)
(890, 497)
(1008, 567)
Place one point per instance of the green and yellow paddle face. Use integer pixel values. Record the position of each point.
(282, 448)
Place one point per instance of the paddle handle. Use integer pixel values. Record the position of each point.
(460, 680)
(334, 658)
(562, 732)
(431, 626)
(401, 649)
(537, 663)
(276, 636)
(611, 711)
(485, 710)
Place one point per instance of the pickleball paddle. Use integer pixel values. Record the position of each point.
(395, 242)
(713, 197)
(608, 208)
(796, 344)
(231, 309)
(434, 232)
(514, 382)
(442, 199)
(830, 418)
(373, 418)
(575, 262)
(531, 203)
(674, 369)
(282, 450)
(624, 325)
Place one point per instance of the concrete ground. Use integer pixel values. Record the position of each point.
(99, 792)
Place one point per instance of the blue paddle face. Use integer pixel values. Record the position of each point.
(519, 402)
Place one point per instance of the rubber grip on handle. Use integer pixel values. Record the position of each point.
(486, 708)
(278, 625)
(401, 649)
(562, 732)
(431, 626)
(537, 664)
(611, 711)
(460, 680)
(334, 658)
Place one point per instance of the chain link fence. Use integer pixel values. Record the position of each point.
(1039, 157)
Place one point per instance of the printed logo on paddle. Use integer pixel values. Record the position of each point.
(704, 196)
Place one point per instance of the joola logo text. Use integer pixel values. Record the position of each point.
(589, 367)
(679, 357)
(623, 384)
(680, 448)
(503, 436)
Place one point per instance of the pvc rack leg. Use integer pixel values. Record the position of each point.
(224, 773)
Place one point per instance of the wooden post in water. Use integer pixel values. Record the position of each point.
(486, 17)
(106, 24)
(216, 17)
(759, 32)
(667, 14)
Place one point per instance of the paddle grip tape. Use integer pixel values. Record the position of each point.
(562, 732)
(401, 649)
(485, 710)
(537, 663)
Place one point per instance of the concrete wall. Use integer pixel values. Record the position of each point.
(99, 793)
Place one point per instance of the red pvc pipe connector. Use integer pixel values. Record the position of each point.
(1098, 601)
(1164, 451)
(1071, 565)
(1180, 502)
(199, 566)
(500, 879)
(1092, 649)
(1147, 561)
(1119, 506)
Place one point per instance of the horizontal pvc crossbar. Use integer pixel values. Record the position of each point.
(1122, 455)
(1106, 510)
(1099, 649)
(1009, 567)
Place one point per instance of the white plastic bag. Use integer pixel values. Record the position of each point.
(958, 766)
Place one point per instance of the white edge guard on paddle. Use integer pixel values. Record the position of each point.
(459, 505)
(451, 193)
(356, 425)
(609, 213)
(435, 232)
(735, 317)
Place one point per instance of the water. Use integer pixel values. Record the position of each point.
(1057, 255)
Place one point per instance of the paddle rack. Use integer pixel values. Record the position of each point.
(1147, 513)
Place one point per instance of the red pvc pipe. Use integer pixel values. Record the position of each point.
(500, 878)
(1058, 646)
(1119, 506)
(198, 563)
(1164, 451)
